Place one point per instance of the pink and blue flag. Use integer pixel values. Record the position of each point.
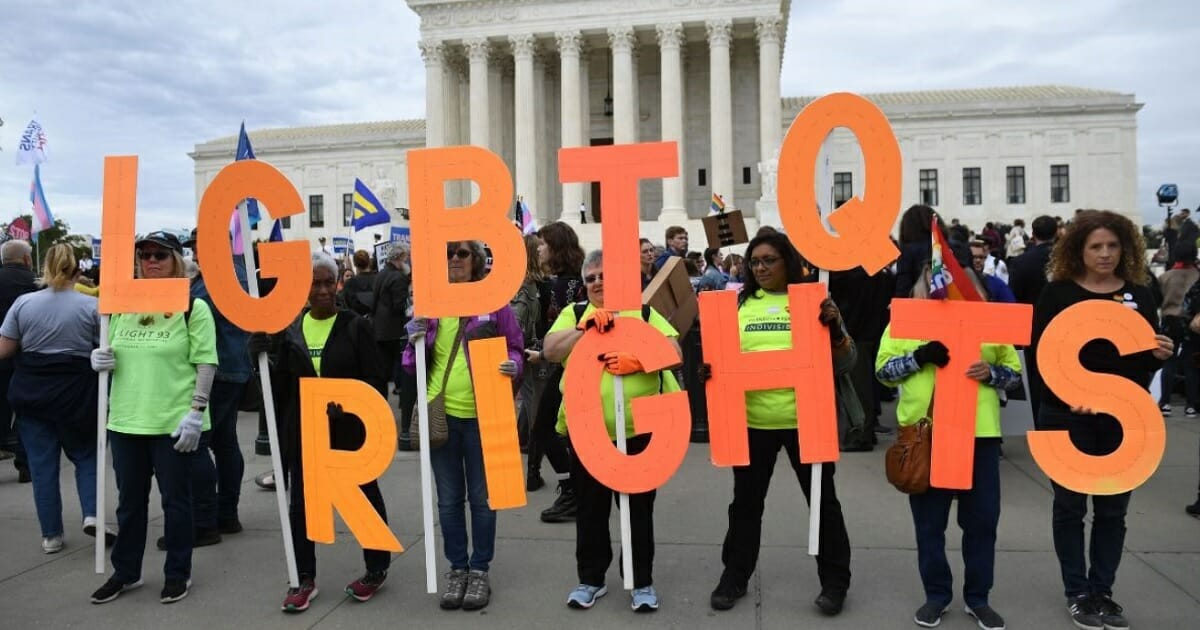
(528, 226)
(43, 219)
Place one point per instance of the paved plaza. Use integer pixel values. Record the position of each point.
(241, 582)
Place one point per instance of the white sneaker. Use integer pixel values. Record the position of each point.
(52, 544)
(89, 528)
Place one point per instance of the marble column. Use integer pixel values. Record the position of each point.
(478, 51)
(770, 111)
(525, 151)
(452, 116)
(720, 34)
(496, 110)
(622, 40)
(572, 127)
(670, 40)
(435, 102)
(585, 95)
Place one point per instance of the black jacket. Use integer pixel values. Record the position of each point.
(391, 300)
(1027, 273)
(15, 280)
(350, 352)
(359, 293)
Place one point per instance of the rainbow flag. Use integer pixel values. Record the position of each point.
(43, 219)
(948, 280)
(718, 204)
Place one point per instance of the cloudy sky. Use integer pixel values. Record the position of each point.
(108, 77)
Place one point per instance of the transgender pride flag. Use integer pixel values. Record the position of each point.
(43, 219)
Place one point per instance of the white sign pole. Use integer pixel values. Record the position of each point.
(426, 466)
(623, 500)
(101, 452)
(814, 483)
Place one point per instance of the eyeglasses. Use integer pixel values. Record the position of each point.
(593, 278)
(461, 254)
(156, 255)
(764, 262)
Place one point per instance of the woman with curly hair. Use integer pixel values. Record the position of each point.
(1100, 257)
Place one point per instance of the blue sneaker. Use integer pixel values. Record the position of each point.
(584, 596)
(645, 599)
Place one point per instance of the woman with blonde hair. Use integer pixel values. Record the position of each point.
(52, 333)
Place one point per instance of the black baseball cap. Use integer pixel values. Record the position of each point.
(162, 239)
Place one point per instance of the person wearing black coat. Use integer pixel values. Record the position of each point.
(16, 279)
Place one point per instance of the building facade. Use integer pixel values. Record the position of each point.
(526, 78)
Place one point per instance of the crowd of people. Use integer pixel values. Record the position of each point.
(177, 380)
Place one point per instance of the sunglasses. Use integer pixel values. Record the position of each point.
(156, 255)
(593, 278)
(461, 254)
(764, 262)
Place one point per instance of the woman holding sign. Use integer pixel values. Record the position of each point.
(593, 545)
(765, 324)
(323, 342)
(1101, 257)
(458, 464)
(162, 367)
(910, 363)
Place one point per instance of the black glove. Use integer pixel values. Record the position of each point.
(704, 371)
(334, 411)
(831, 318)
(934, 352)
(259, 343)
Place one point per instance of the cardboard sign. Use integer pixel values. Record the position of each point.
(863, 224)
(619, 168)
(725, 229)
(964, 327)
(1145, 434)
(497, 424)
(670, 293)
(665, 415)
(332, 477)
(434, 226)
(806, 367)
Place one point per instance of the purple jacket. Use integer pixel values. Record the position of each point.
(500, 323)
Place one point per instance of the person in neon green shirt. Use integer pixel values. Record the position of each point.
(162, 367)
(593, 549)
(910, 363)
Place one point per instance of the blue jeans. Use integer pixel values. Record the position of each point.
(216, 488)
(137, 459)
(458, 472)
(44, 444)
(978, 515)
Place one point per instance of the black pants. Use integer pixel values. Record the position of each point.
(389, 351)
(750, 483)
(546, 440)
(863, 376)
(408, 398)
(10, 439)
(306, 550)
(593, 544)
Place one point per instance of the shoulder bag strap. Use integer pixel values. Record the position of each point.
(458, 337)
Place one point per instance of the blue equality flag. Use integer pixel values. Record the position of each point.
(368, 210)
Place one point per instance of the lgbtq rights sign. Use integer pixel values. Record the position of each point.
(860, 238)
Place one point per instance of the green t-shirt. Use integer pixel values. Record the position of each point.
(155, 376)
(640, 384)
(460, 390)
(916, 391)
(316, 333)
(764, 323)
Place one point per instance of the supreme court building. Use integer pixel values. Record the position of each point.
(526, 77)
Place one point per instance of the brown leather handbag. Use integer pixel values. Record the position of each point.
(907, 461)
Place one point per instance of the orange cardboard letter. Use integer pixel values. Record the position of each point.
(964, 327)
(119, 291)
(807, 367)
(288, 261)
(1145, 434)
(497, 424)
(862, 224)
(619, 168)
(434, 226)
(332, 476)
(664, 415)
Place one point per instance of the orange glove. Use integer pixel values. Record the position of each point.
(602, 321)
(621, 363)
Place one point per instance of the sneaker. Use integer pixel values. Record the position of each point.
(1194, 509)
(1165, 409)
(930, 615)
(366, 586)
(456, 589)
(830, 601)
(52, 544)
(1084, 613)
(111, 590)
(479, 590)
(1190, 412)
(266, 481)
(297, 599)
(583, 597)
(645, 599)
(1110, 612)
(726, 594)
(174, 590)
(89, 528)
(987, 618)
(564, 507)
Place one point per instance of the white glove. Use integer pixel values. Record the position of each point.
(508, 368)
(188, 431)
(103, 360)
